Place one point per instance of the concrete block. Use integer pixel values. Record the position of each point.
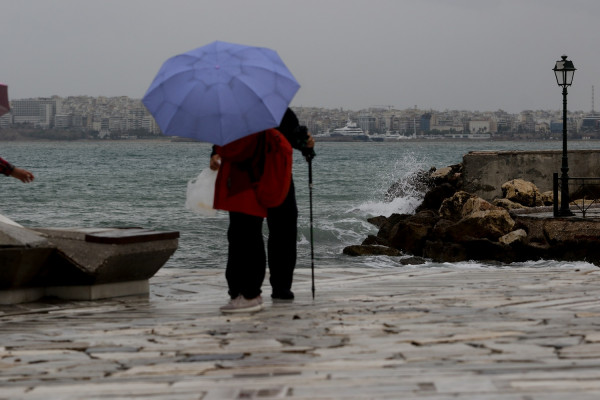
(79, 263)
(20, 295)
(100, 291)
(88, 256)
(13, 235)
(23, 254)
(19, 266)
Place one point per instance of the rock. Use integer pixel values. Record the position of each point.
(548, 198)
(419, 182)
(375, 240)
(476, 204)
(536, 236)
(371, 250)
(440, 229)
(411, 233)
(413, 261)
(490, 224)
(514, 236)
(386, 229)
(452, 207)
(442, 251)
(488, 250)
(451, 174)
(522, 192)
(507, 204)
(441, 174)
(377, 221)
(434, 198)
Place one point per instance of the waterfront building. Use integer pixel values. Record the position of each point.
(5, 120)
(38, 112)
(482, 126)
(367, 122)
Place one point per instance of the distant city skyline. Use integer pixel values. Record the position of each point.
(435, 54)
(122, 116)
(372, 107)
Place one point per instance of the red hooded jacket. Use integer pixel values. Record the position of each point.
(234, 189)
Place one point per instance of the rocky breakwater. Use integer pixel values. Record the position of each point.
(453, 225)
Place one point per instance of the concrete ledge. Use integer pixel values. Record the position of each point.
(100, 291)
(20, 295)
(78, 292)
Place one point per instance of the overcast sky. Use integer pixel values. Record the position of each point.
(441, 54)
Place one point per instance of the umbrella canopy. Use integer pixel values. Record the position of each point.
(220, 92)
(4, 105)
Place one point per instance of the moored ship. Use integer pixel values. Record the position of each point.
(350, 130)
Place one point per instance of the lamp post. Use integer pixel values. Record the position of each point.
(564, 71)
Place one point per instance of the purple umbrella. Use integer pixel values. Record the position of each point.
(220, 92)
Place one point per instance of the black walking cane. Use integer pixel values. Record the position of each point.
(312, 245)
(309, 156)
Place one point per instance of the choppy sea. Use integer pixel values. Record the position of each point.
(143, 184)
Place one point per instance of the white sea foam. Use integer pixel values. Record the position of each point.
(403, 176)
(400, 205)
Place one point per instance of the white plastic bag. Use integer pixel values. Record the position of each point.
(201, 193)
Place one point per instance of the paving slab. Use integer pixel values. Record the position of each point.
(422, 333)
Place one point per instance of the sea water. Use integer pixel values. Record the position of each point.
(143, 184)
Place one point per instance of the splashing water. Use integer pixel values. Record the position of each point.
(401, 190)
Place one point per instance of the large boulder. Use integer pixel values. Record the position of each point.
(375, 240)
(388, 224)
(476, 204)
(452, 207)
(522, 192)
(463, 204)
(410, 234)
(434, 198)
(489, 224)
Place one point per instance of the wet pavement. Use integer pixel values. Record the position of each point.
(422, 333)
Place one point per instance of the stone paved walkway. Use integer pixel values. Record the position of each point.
(436, 333)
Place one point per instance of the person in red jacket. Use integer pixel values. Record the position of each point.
(21, 174)
(246, 262)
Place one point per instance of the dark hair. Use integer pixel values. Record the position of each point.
(289, 123)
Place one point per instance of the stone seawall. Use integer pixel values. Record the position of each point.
(484, 172)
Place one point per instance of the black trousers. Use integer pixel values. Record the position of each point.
(246, 263)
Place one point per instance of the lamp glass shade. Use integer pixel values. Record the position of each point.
(564, 71)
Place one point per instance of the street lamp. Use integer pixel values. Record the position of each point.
(564, 71)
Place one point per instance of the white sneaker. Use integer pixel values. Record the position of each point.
(241, 305)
